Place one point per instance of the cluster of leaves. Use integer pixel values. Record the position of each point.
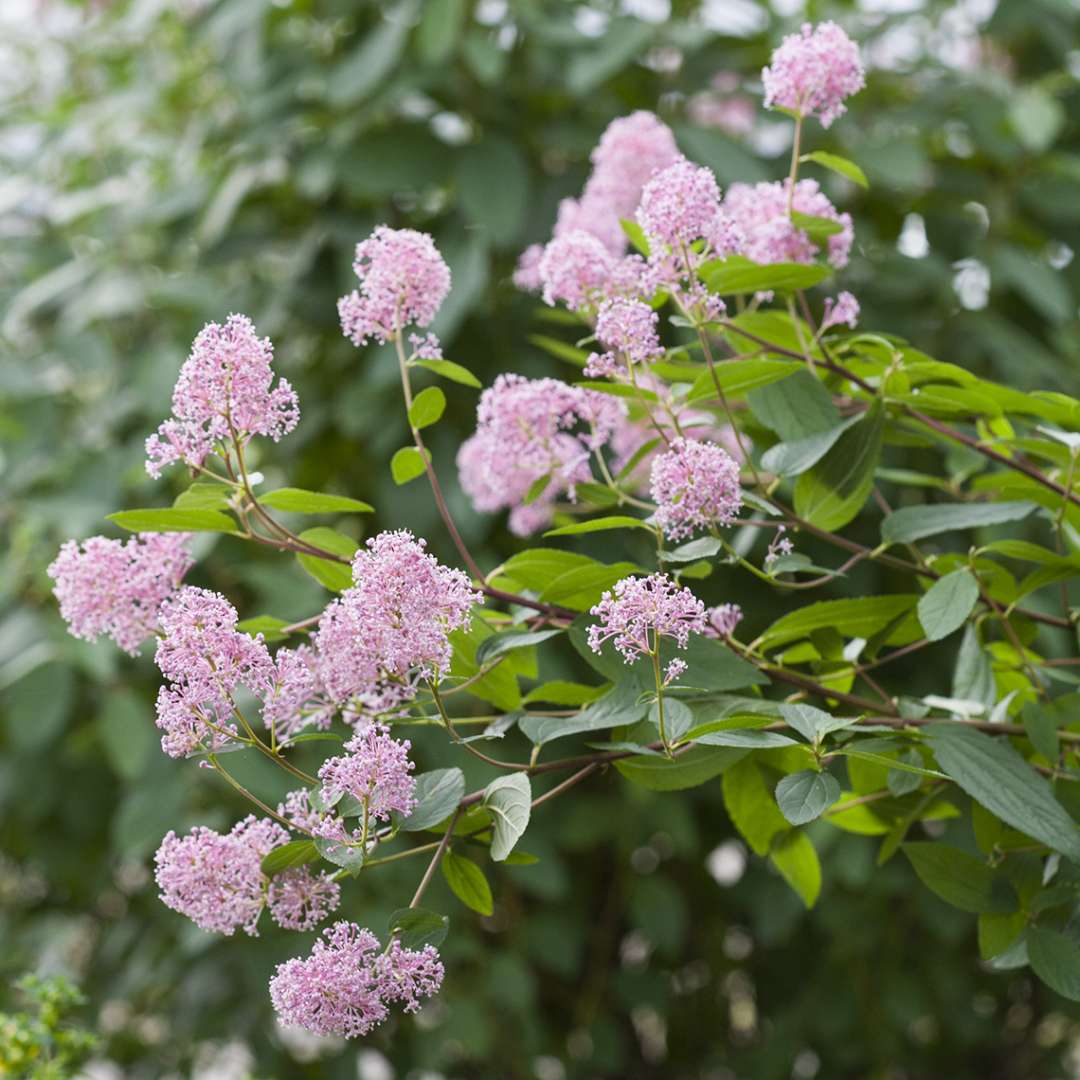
(42, 1044)
(307, 133)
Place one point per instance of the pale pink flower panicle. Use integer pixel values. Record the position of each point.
(721, 621)
(299, 899)
(225, 388)
(403, 281)
(391, 628)
(695, 484)
(813, 71)
(112, 587)
(844, 310)
(577, 269)
(639, 611)
(376, 770)
(296, 699)
(216, 879)
(528, 429)
(626, 328)
(344, 987)
(771, 236)
(206, 659)
(680, 205)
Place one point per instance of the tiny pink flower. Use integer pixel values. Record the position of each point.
(627, 329)
(376, 770)
(722, 620)
(812, 72)
(300, 900)
(577, 269)
(843, 310)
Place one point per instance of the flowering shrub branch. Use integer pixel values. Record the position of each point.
(751, 422)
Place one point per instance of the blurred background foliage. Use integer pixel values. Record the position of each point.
(166, 162)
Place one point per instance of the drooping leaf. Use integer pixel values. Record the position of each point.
(437, 795)
(467, 882)
(794, 856)
(959, 878)
(839, 165)
(336, 576)
(407, 464)
(509, 801)
(427, 408)
(794, 458)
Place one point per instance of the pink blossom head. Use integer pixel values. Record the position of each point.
(216, 880)
(376, 770)
(225, 388)
(680, 205)
(345, 986)
(844, 310)
(403, 281)
(110, 587)
(631, 149)
(721, 621)
(296, 698)
(695, 485)
(575, 268)
(761, 211)
(812, 72)
(299, 899)
(527, 271)
(529, 429)
(639, 611)
(627, 330)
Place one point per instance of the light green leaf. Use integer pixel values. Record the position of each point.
(737, 274)
(267, 625)
(616, 521)
(750, 805)
(912, 523)
(171, 519)
(407, 464)
(794, 856)
(467, 882)
(336, 576)
(751, 739)
(204, 495)
(806, 795)
(561, 350)
(959, 878)
(298, 501)
(997, 777)
(947, 603)
(636, 235)
(509, 801)
(838, 165)
(426, 409)
(819, 229)
(437, 795)
(857, 617)
(449, 370)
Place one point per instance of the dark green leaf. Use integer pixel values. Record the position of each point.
(287, 856)
(690, 769)
(508, 641)
(468, 883)
(437, 795)
(912, 523)
(1055, 958)
(417, 927)
(960, 879)
(806, 795)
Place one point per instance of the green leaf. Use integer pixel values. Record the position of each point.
(794, 458)
(336, 576)
(494, 183)
(616, 521)
(997, 777)
(560, 692)
(437, 795)
(204, 495)
(449, 370)
(622, 390)
(536, 568)
(794, 856)
(796, 407)
(705, 547)
(267, 625)
(947, 603)
(509, 640)
(688, 770)
(295, 853)
(973, 678)
(912, 523)
(1041, 728)
(858, 617)
(582, 587)
(835, 489)
(509, 801)
(838, 165)
(561, 350)
(813, 723)
(1055, 958)
(806, 795)
(636, 235)
(298, 501)
(750, 805)
(737, 274)
(738, 379)
(426, 409)
(439, 30)
(346, 856)
(350, 81)
(468, 883)
(170, 519)
(407, 464)
(417, 927)
(619, 706)
(819, 229)
(960, 879)
(751, 739)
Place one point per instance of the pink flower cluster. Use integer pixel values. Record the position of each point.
(206, 659)
(695, 485)
(721, 621)
(627, 330)
(224, 388)
(390, 629)
(639, 611)
(843, 310)
(376, 770)
(771, 236)
(681, 205)
(345, 986)
(217, 881)
(526, 431)
(812, 72)
(110, 587)
(403, 281)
